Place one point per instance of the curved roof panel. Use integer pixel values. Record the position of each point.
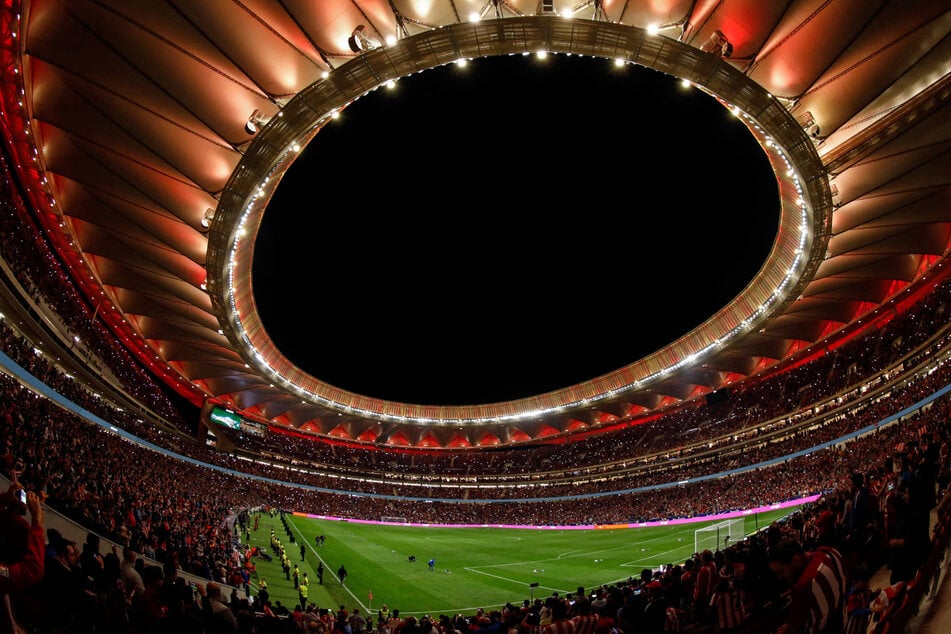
(134, 115)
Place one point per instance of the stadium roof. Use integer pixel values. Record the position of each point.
(151, 136)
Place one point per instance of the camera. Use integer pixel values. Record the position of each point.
(21, 496)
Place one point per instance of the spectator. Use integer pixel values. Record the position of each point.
(153, 611)
(733, 570)
(64, 580)
(55, 543)
(173, 589)
(607, 619)
(358, 624)
(394, 621)
(705, 584)
(342, 621)
(22, 547)
(857, 610)
(559, 618)
(192, 619)
(130, 575)
(92, 562)
(585, 619)
(687, 583)
(823, 526)
(219, 618)
(911, 542)
(818, 582)
(729, 613)
(862, 528)
(599, 598)
(630, 617)
(944, 468)
(408, 626)
(427, 626)
(655, 612)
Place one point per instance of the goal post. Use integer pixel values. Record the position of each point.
(720, 535)
(394, 520)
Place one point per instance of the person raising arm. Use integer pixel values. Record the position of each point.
(24, 569)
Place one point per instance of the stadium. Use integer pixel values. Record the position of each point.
(147, 397)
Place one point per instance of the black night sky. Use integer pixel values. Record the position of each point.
(511, 227)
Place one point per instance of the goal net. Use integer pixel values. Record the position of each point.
(394, 520)
(720, 535)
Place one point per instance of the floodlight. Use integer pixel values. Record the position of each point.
(359, 41)
(718, 45)
(254, 122)
(207, 218)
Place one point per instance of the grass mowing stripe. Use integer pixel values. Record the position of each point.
(475, 567)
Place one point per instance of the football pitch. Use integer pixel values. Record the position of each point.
(473, 568)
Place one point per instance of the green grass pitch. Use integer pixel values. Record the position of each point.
(474, 568)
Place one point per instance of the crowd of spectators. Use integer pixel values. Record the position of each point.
(873, 519)
(38, 270)
(756, 421)
(729, 492)
(626, 466)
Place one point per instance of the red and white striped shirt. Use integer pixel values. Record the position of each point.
(819, 594)
(728, 608)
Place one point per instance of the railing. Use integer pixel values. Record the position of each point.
(70, 530)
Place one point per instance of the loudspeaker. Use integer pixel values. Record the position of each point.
(720, 396)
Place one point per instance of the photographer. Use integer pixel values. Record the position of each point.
(22, 545)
